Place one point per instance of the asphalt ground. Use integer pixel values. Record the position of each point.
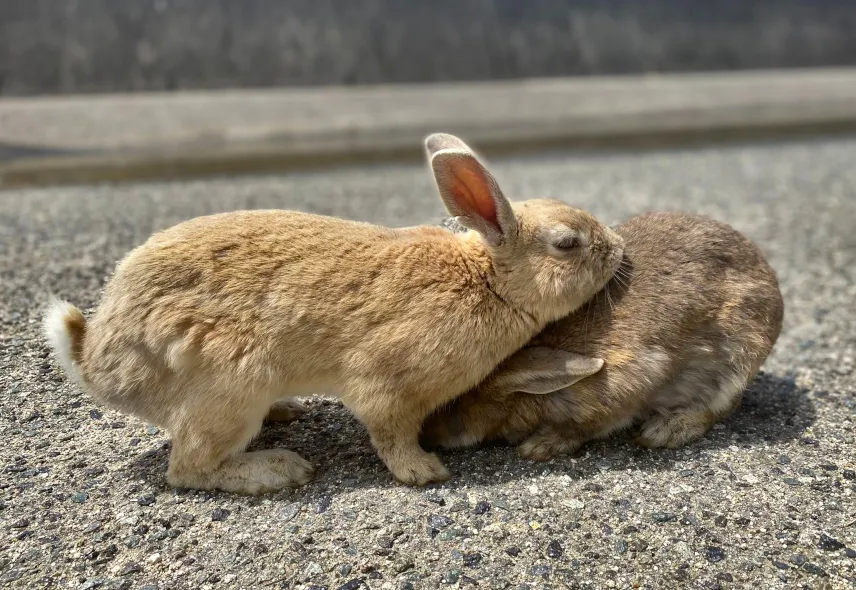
(766, 500)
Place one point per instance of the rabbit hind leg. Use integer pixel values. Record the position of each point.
(208, 448)
(684, 411)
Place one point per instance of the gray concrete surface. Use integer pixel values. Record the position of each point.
(765, 501)
(121, 137)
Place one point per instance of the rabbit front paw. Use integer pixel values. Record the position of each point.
(419, 469)
(546, 444)
(285, 411)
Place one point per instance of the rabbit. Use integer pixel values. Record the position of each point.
(669, 346)
(215, 323)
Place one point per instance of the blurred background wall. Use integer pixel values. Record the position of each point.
(54, 46)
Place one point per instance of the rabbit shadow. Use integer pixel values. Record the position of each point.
(774, 410)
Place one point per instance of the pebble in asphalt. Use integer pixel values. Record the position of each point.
(765, 501)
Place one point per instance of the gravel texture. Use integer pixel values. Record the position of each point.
(765, 501)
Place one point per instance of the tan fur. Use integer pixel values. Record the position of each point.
(208, 324)
(683, 327)
(619, 357)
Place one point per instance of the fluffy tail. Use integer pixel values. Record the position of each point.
(65, 329)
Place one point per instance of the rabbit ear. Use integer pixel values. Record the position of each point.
(443, 141)
(541, 370)
(471, 194)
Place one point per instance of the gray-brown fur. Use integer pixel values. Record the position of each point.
(682, 328)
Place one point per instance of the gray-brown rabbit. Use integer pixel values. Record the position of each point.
(682, 327)
(209, 324)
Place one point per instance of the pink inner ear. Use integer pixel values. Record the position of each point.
(473, 193)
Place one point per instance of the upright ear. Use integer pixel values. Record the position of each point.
(541, 370)
(443, 141)
(470, 193)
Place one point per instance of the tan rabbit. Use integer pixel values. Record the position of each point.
(682, 328)
(210, 323)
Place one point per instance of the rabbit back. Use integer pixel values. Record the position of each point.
(262, 297)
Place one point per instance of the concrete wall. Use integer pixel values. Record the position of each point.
(66, 46)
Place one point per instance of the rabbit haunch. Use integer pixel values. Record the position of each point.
(211, 325)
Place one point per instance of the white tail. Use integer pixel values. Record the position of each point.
(64, 327)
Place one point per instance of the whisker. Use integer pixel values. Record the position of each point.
(621, 278)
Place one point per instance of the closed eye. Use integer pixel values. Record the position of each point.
(568, 243)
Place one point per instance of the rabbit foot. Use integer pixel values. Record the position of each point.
(285, 411)
(419, 470)
(252, 473)
(674, 430)
(546, 444)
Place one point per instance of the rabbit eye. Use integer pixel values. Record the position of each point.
(568, 243)
(565, 240)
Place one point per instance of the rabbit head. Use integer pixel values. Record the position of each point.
(548, 258)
